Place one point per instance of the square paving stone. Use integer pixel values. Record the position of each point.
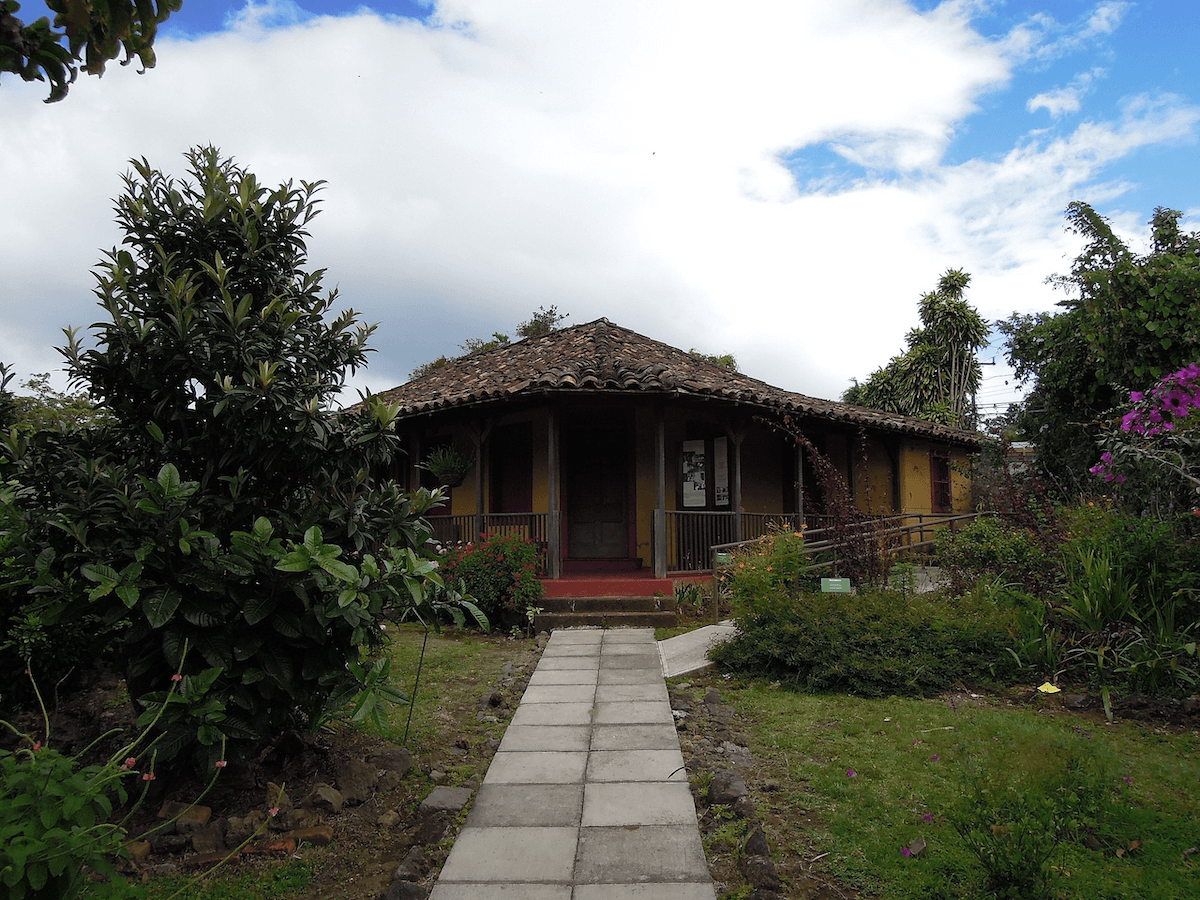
(658, 736)
(503, 892)
(553, 714)
(629, 636)
(611, 693)
(563, 676)
(537, 767)
(568, 662)
(559, 693)
(704, 891)
(633, 765)
(652, 853)
(630, 676)
(583, 636)
(527, 805)
(546, 737)
(513, 854)
(626, 712)
(625, 803)
(649, 661)
(571, 650)
(628, 649)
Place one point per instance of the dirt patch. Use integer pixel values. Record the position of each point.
(348, 804)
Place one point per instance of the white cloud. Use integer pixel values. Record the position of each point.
(618, 159)
(1065, 100)
(1042, 38)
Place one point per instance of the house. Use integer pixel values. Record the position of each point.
(615, 451)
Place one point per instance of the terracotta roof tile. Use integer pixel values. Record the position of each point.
(601, 357)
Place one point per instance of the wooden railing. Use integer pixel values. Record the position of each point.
(450, 530)
(691, 534)
(900, 533)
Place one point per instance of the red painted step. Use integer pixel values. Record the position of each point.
(624, 585)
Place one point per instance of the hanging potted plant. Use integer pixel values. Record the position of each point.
(447, 465)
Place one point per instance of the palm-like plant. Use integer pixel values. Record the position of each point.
(938, 374)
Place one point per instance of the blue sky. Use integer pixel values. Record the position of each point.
(778, 180)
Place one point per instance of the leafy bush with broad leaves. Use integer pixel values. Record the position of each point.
(988, 547)
(221, 504)
(500, 573)
(873, 644)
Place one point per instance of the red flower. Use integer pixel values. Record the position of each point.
(177, 677)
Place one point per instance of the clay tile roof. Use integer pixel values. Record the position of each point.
(601, 357)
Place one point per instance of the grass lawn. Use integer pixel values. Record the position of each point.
(860, 780)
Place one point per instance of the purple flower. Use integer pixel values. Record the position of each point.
(850, 773)
(928, 817)
(904, 851)
(935, 757)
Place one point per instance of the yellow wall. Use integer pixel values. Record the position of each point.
(873, 481)
(916, 489)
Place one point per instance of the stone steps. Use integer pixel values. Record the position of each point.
(605, 612)
(604, 604)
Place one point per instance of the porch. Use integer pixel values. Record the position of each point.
(688, 540)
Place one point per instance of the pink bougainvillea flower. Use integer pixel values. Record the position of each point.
(850, 773)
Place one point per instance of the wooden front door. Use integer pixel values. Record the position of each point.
(597, 463)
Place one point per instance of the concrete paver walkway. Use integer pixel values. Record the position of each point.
(587, 797)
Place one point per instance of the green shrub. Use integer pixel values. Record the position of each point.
(1160, 556)
(221, 503)
(875, 644)
(988, 547)
(1014, 824)
(765, 573)
(500, 574)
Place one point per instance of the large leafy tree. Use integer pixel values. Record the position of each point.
(1140, 315)
(1128, 320)
(937, 377)
(91, 32)
(1065, 410)
(221, 506)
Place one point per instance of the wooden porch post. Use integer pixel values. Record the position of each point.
(799, 485)
(660, 494)
(479, 435)
(736, 436)
(412, 478)
(554, 523)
